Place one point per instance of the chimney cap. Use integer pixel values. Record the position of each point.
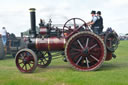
(32, 9)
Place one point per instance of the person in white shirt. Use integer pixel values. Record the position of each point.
(4, 36)
(93, 22)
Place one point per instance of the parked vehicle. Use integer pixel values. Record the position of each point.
(12, 46)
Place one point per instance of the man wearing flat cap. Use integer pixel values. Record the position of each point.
(100, 21)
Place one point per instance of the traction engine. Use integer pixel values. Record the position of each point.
(84, 50)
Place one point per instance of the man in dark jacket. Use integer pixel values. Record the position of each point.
(100, 22)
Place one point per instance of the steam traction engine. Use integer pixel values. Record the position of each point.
(83, 49)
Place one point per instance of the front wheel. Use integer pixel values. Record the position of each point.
(26, 60)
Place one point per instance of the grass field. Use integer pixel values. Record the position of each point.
(114, 72)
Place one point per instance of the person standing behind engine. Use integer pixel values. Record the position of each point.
(100, 22)
(4, 36)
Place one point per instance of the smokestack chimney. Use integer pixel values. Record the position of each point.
(33, 21)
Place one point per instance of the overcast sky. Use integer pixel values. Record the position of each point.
(14, 14)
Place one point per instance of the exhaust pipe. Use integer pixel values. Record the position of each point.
(33, 22)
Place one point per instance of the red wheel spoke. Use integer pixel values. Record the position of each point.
(40, 62)
(80, 44)
(81, 26)
(94, 58)
(21, 62)
(87, 61)
(44, 53)
(25, 66)
(43, 62)
(66, 27)
(76, 56)
(78, 60)
(21, 56)
(87, 42)
(78, 50)
(76, 53)
(45, 58)
(29, 65)
(93, 46)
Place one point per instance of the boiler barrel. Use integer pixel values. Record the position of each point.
(51, 44)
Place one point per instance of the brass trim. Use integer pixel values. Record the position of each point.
(64, 42)
(48, 44)
(36, 43)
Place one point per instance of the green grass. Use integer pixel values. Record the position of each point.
(113, 72)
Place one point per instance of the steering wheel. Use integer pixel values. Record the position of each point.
(74, 24)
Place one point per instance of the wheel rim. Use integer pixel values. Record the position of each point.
(85, 51)
(26, 60)
(44, 59)
(73, 24)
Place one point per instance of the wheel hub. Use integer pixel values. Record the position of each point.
(25, 61)
(85, 51)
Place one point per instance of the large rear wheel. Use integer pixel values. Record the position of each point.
(85, 51)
